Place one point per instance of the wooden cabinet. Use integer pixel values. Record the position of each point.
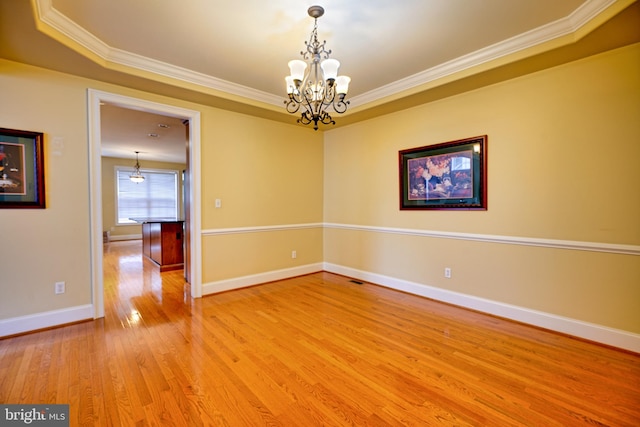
(146, 239)
(162, 243)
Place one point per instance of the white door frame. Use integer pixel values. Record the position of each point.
(95, 98)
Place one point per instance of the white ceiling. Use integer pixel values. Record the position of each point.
(239, 50)
(244, 46)
(124, 131)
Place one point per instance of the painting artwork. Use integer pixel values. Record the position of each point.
(446, 176)
(12, 178)
(21, 169)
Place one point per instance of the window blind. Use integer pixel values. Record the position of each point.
(154, 198)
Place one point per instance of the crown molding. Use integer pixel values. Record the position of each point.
(552, 33)
(85, 41)
(46, 14)
(144, 63)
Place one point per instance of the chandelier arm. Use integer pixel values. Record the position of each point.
(340, 106)
(305, 119)
(327, 119)
(292, 106)
(329, 95)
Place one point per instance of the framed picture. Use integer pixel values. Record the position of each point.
(447, 176)
(21, 170)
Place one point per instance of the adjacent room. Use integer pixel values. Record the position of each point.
(292, 214)
(145, 200)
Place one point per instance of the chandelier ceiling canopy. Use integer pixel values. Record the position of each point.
(314, 85)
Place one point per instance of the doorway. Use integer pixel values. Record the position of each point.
(192, 219)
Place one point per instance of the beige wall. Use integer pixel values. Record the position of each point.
(43, 246)
(265, 173)
(563, 150)
(109, 194)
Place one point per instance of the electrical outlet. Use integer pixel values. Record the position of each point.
(294, 254)
(447, 272)
(59, 288)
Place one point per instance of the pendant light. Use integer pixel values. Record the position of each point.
(136, 176)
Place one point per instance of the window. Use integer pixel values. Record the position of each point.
(156, 197)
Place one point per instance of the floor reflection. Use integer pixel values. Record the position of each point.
(136, 292)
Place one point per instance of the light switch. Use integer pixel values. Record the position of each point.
(218, 203)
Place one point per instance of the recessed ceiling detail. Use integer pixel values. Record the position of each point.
(389, 50)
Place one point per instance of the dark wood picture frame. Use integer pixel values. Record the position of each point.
(447, 176)
(21, 170)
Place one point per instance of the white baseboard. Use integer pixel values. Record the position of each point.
(589, 331)
(48, 319)
(256, 279)
(125, 237)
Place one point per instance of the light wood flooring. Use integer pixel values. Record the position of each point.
(316, 350)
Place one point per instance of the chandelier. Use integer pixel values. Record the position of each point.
(136, 176)
(319, 88)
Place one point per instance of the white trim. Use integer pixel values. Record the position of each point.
(94, 98)
(51, 17)
(95, 202)
(489, 238)
(587, 12)
(546, 33)
(260, 229)
(486, 238)
(183, 74)
(123, 237)
(589, 331)
(258, 279)
(48, 319)
(195, 214)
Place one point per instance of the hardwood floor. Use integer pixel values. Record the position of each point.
(309, 351)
